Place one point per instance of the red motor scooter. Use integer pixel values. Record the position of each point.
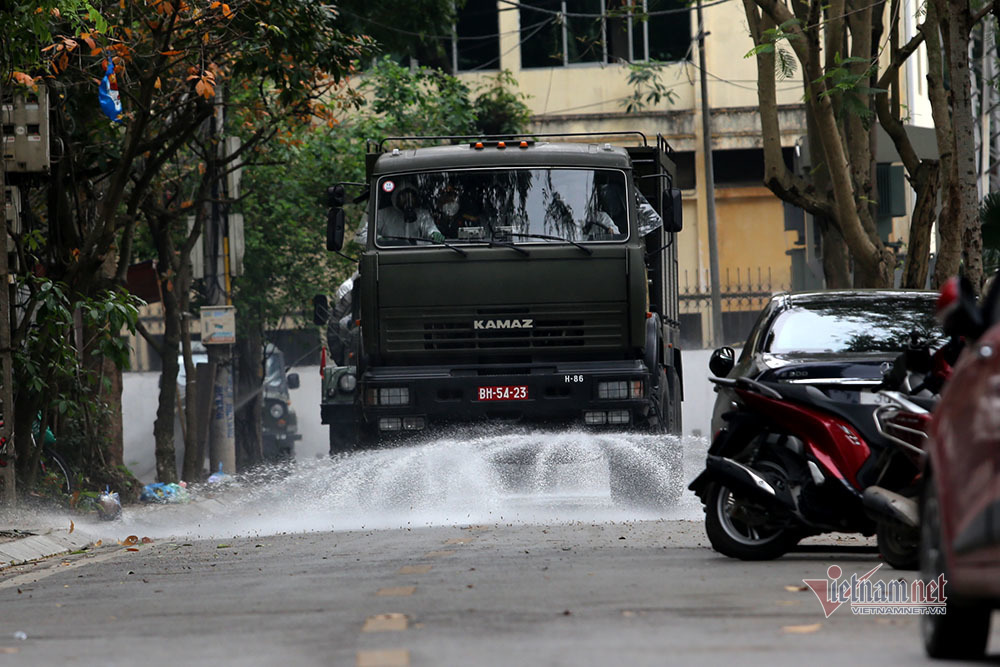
(792, 462)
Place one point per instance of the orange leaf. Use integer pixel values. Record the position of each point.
(96, 52)
(55, 12)
(171, 53)
(64, 61)
(131, 549)
(201, 168)
(214, 4)
(72, 527)
(23, 79)
(156, 84)
(130, 540)
(226, 11)
(50, 46)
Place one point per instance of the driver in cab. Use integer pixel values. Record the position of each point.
(406, 219)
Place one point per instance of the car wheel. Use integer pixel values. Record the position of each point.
(899, 545)
(963, 630)
(739, 529)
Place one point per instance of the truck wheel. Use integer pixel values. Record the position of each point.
(658, 420)
(343, 438)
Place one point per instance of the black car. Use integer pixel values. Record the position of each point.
(838, 340)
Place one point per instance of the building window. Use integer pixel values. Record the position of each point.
(567, 32)
(477, 40)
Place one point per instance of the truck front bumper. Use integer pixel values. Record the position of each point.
(601, 393)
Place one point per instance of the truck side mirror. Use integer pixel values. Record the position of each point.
(293, 380)
(722, 361)
(335, 229)
(335, 196)
(321, 310)
(673, 210)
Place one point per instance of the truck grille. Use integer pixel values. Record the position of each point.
(552, 328)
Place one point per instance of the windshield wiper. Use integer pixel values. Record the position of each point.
(549, 237)
(421, 238)
(501, 244)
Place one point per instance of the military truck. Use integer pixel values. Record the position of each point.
(508, 279)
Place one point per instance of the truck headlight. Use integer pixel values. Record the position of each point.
(347, 382)
(277, 410)
(388, 396)
(619, 390)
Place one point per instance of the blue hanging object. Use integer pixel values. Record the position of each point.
(107, 94)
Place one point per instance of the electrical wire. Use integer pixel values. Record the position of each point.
(604, 15)
(537, 26)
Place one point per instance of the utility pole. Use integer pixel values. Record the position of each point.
(7, 450)
(222, 434)
(713, 238)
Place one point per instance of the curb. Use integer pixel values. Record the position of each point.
(56, 541)
(36, 547)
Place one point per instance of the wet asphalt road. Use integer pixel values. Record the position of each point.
(643, 593)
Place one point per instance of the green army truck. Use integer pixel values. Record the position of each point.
(508, 280)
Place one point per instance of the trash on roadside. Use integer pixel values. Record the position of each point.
(20, 635)
(161, 492)
(219, 476)
(109, 505)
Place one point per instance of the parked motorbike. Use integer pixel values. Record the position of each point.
(793, 462)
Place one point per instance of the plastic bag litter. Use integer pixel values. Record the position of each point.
(164, 493)
(109, 505)
(219, 477)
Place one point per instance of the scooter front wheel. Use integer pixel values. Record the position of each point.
(740, 529)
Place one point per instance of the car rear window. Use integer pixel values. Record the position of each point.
(883, 324)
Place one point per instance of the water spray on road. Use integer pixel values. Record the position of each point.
(460, 479)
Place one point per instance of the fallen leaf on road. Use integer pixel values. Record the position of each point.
(795, 589)
(72, 526)
(222, 546)
(98, 543)
(130, 540)
(147, 540)
(131, 549)
(628, 614)
(801, 629)
(9, 650)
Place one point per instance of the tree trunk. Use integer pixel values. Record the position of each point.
(918, 250)
(966, 209)
(249, 401)
(163, 427)
(836, 259)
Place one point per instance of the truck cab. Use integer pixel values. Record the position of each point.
(513, 280)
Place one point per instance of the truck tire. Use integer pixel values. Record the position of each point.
(343, 438)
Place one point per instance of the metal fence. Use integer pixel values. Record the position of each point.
(744, 294)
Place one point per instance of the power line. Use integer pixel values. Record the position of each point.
(603, 15)
(537, 27)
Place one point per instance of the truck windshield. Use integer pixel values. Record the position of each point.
(471, 206)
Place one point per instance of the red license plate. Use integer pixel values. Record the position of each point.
(504, 393)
